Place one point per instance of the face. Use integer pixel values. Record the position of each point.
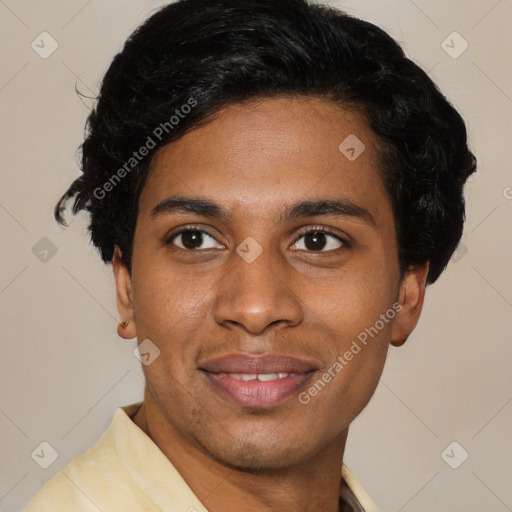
(262, 256)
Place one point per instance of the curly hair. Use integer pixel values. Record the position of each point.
(194, 57)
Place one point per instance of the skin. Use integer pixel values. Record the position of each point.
(254, 159)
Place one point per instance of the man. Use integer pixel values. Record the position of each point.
(275, 185)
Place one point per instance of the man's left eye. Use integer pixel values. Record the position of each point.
(318, 241)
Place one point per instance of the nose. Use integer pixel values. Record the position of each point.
(258, 296)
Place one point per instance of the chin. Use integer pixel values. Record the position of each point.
(258, 456)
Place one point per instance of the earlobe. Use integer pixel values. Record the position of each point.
(126, 328)
(410, 297)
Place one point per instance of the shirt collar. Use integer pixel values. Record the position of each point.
(153, 471)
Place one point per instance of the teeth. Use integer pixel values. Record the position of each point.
(244, 376)
(262, 377)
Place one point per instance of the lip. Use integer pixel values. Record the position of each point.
(255, 393)
(258, 363)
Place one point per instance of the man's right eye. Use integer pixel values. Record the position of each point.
(194, 240)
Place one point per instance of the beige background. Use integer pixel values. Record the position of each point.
(64, 370)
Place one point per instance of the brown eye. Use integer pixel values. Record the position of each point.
(318, 241)
(194, 239)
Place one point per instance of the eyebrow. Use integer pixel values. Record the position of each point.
(311, 208)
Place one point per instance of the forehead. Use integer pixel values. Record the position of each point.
(266, 155)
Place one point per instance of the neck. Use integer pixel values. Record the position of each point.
(311, 486)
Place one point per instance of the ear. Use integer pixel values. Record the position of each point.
(410, 298)
(126, 328)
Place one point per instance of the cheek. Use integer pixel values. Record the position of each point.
(357, 369)
(349, 303)
(355, 308)
(330, 408)
(164, 298)
(170, 313)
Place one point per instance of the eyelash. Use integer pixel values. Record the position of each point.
(314, 229)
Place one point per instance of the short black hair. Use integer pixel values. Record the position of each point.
(193, 57)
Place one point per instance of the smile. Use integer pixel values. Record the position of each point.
(257, 390)
(257, 380)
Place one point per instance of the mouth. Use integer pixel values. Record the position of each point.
(257, 381)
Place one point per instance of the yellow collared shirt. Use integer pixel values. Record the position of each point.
(125, 471)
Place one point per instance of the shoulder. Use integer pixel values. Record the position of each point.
(95, 480)
(59, 494)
